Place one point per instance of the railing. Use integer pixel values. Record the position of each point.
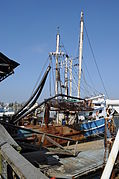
(12, 163)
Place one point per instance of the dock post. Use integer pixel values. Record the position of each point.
(105, 141)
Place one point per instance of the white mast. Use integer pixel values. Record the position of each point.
(57, 53)
(70, 84)
(80, 52)
(66, 76)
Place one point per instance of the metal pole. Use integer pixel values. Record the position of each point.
(70, 69)
(105, 141)
(66, 77)
(57, 53)
(50, 57)
(80, 52)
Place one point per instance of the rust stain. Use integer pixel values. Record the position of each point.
(63, 131)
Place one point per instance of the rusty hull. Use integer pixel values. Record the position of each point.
(57, 130)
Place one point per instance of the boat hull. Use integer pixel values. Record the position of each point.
(94, 127)
(76, 132)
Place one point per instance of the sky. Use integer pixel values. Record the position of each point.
(28, 33)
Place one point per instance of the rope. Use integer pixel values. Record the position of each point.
(63, 47)
(90, 79)
(86, 90)
(88, 84)
(74, 81)
(95, 61)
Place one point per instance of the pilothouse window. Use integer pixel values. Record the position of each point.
(97, 104)
(90, 113)
(100, 111)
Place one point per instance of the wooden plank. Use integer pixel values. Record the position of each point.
(58, 145)
(22, 167)
(54, 142)
(42, 140)
(5, 137)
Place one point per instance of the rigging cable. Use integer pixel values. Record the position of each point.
(88, 86)
(83, 88)
(74, 82)
(92, 87)
(95, 60)
(63, 47)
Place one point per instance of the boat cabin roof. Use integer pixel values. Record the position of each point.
(68, 105)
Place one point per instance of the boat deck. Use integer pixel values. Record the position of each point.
(90, 158)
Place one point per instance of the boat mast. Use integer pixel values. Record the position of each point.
(66, 76)
(80, 51)
(57, 53)
(70, 84)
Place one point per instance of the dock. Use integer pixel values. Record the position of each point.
(12, 163)
(71, 161)
(89, 158)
